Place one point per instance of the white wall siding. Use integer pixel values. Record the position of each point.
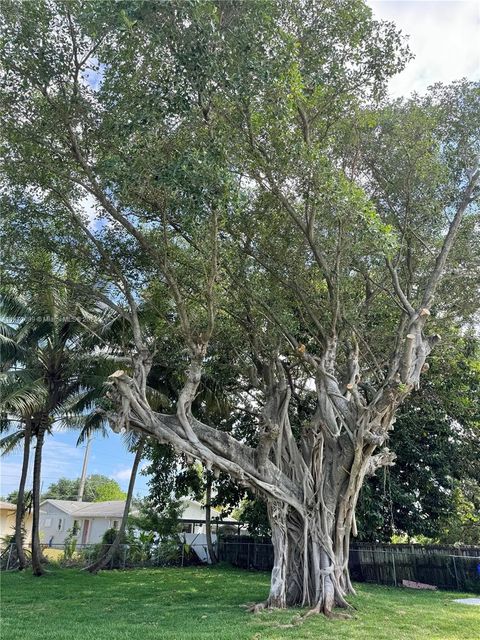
(98, 526)
(49, 518)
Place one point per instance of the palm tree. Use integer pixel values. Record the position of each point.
(22, 435)
(21, 396)
(55, 375)
(105, 559)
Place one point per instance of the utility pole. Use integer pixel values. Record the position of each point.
(81, 486)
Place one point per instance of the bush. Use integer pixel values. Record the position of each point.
(70, 544)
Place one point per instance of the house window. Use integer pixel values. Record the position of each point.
(186, 528)
(76, 527)
(60, 524)
(115, 524)
(48, 523)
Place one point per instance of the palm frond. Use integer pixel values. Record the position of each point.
(11, 442)
(13, 307)
(95, 424)
(20, 395)
(131, 439)
(157, 400)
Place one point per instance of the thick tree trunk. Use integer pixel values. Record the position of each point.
(311, 483)
(208, 520)
(105, 559)
(20, 513)
(310, 560)
(37, 467)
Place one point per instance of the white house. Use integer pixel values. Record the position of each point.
(192, 519)
(7, 522)
(7, 519)
(90, 519)
(193, 528)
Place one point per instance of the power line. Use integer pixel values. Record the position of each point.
(74, 498)
(56, 478)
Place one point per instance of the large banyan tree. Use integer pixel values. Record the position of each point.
(229, 177)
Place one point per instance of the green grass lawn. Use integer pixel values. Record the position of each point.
(205, 603)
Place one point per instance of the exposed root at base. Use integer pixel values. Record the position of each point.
(256, 607)
(343, 604)
(299, 619)
(312, 612)
(333, 615)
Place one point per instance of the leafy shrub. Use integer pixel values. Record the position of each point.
(70, 543)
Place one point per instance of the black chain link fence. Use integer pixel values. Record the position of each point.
(169, 553)
(444, 567)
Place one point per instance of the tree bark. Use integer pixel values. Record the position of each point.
(311, 545)
(310, 483)
(208, 520)
(311, 496)
(310, 569)
(20, 512)
(37, 467)
(105, 559)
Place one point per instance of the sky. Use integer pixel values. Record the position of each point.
(444, 35)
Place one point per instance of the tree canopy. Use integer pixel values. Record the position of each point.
(230, 179)
(98, 488)
(433, 490)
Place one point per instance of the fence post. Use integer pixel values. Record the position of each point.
(456, 573)
(394, 569)
(183, 551)
(124, 555)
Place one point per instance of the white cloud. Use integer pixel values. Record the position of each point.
(444, 35)
(9, 476)
(59, 459)
(123, 474)
(96, 217)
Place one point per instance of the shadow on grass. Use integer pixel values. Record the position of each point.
(206, 603)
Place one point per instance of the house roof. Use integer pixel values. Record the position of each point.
(193, 510)
(107, 509)
(69, 506)
(8, 505)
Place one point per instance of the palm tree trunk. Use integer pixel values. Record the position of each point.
(37, 468)
(208, 520)
(104, 560)
(20, 513)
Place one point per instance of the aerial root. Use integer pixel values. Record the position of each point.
(342, 603)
